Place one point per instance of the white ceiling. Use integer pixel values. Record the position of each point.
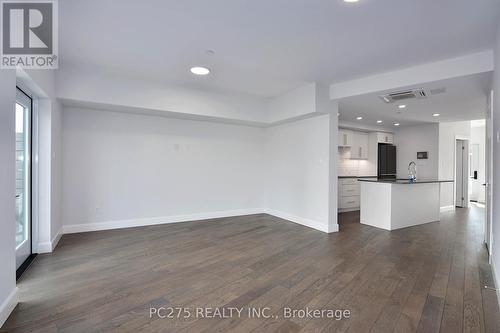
(465, 99)
(265, 47)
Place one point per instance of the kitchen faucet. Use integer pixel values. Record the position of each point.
(412, 171)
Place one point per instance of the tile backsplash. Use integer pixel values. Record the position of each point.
(348, 167)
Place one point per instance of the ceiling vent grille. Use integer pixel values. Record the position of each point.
(403, 95)
(438, 91)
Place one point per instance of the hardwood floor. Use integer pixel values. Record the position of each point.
(428, 278)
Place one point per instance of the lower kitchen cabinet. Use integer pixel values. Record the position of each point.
(349, 194)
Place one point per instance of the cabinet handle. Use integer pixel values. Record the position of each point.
(345, 139)
(360, 151)
(350, 202)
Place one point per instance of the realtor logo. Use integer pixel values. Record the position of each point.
(29, 34)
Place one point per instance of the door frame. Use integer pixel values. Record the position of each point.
(489, 143)
(33, 180)
(465, 174)
(26, 84)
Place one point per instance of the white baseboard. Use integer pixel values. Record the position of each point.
(48, 247)
(495, 278)
(8, 306)
(333, 228)
(45, 247)
(303, 221)
(446, 208)
(120, 224)
(56, 239)
(107, 225)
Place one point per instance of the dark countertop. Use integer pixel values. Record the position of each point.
(406, 181)
(355, 177)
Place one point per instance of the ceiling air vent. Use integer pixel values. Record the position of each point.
(403, 95)
(438, 91)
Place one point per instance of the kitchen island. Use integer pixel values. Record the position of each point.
(396, 204)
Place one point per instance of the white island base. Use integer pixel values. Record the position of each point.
(396, 205)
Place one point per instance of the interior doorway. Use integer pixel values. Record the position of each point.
(461, 173)
(23, 129)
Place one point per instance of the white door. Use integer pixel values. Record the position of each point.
(23, 177)
(475, 174)
(489, 173)
(459, 186)
(461, 173)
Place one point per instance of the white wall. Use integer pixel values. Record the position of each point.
(122, 169)
(103, 90)
(120, 166)
(295, 103)
(448, 132)
(8, 297)
(496, 163)
(298, 164)
(333, 174)
(409, 141)
(478, 136)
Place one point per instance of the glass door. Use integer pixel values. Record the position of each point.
(23, 112)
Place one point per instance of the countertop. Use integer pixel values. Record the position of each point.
(406, 181)
(355, 177)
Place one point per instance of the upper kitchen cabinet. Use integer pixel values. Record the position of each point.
(345, 138)
(359, 147)
(385, 138)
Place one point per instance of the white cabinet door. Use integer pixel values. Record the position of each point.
(385, 138)
(349, 202)
(390, 138)
(359, 148)
(348, 196)
(354, 147)
(350, 190)
(363, 146)
(345, 138)
(348, 181)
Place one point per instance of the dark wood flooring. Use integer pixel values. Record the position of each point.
(428, 278)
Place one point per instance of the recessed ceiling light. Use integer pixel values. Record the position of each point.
(379, 121)
(359, 118)
(351, 0)
(396, 124)
(402, 106)
(200, 70)
(436, 114)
